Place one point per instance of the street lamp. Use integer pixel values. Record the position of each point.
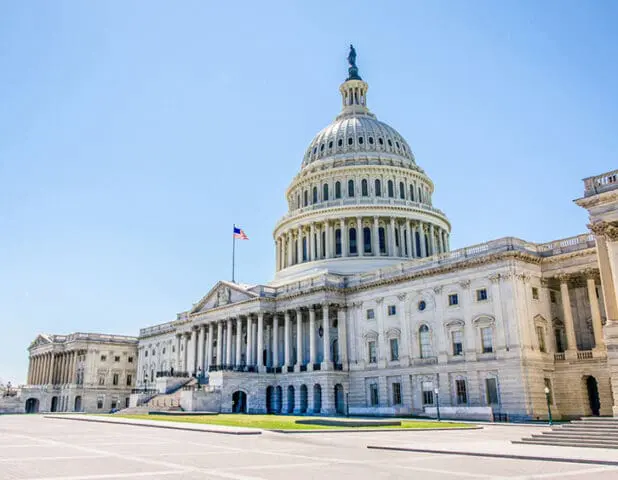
(548, 405)
(437, 392)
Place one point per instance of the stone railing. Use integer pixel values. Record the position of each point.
(584, 355)
(157, 329)
(601, 183)
(559, 356)
(564, 245)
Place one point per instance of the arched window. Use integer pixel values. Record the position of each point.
(364, 188)
(367, 239)
(402, 191)
(306, 198)
(412, 193)
(391, 190)
(352, 234)
(325, 192)
(382, 239)
(350, 188)
(425, 341)
(378, 186)
(337, 189)
(315, 195)
(338, 242)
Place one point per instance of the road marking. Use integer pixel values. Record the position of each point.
(112, 475)
(448, 472)
(42, 458)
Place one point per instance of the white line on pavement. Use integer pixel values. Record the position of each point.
(112, 475)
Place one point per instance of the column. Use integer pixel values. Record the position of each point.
(50, 373)
(286, 340)
(260, 341)
(191, 354)
(249, 357)
(299, 245)
(568, 315)
(360, 238)
(342, 328)
(376, 237)
(421, 232)
(318, 246)
(402, 247)
(597, 326)
(63, 368)
(200, 348)
(30, 371)
(72, 376)
(228, 343)
(275, 341)
(329, 244)
(178, 368)
(219, 343)
(440, 243)
(345, 251)
(409, 239)
(311, 242)
(391, 239)
(186, 348)
(327, 363)
(299, 339)
(209, 344)
(432, 239)
(238, 341)
(290, 245)
(278, 254)
(312, 357)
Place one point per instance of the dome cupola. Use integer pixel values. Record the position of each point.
(360, 201)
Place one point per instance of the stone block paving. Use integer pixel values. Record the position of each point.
(33, 447)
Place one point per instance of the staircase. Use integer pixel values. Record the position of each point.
(591, 432)
(162, 402)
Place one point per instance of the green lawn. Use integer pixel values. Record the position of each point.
(278, 422)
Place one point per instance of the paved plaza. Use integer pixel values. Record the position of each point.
(34, 447)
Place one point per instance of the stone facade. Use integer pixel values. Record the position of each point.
(80, 372)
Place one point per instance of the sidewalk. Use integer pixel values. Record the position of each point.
(192, 427)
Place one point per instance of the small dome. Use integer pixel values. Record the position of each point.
(357, 134)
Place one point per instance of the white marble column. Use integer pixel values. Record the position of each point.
(192, 350)
(360, 238)
(311, 243)
(299, 244)
(345, 250)
(299, 339)
(260, 341)
(376, 237)
(178, 344)
(432, 239)
(329, 241)
(597, 326)
(200, 348)
(211, 339)
(286, 340)
(228, 343)
(249, 356)
(421, 231)
(568, 315)
(219, 343)
(342, 335)
(391, 239)
(239, 341)
(409, 240)
(327, 363)
(290, 247)
(319, 247)
(312, 345)
(275, 340)
(73, 367)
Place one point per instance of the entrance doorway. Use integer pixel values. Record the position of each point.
(270, 408)
(239, 402)
(290, 399)
(317, 398)
(32, 405)
(593, 396)
(77, 407)
(339, 403)
(54, 404)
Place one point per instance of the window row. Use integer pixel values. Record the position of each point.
(115, 379)
(412, 193)
(379, 142)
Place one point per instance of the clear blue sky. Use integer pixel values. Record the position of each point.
(134, 134)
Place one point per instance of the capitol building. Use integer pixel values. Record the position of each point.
(370, 312)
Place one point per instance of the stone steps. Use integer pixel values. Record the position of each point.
(596, 432)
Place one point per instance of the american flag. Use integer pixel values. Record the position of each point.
(239, 234)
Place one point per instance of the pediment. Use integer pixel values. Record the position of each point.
(223, 293)
(40, 340)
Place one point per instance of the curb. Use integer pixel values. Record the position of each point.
(168, 427)
(372, 430)
(499, 455)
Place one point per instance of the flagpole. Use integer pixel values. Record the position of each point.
(233, 251)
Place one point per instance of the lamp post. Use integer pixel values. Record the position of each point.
(548, 405)
(437, 392)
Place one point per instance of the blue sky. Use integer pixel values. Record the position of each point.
(134, 134)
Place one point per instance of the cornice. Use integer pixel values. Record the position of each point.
(561, 257)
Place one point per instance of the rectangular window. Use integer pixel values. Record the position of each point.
(396, 393)
(129, 379)
(491, 388)
(116, 358)
(540, 335)
(392, 310)
(126, 402)
(453, 299)
(114, 403)
(103, 358)
(99, 403)
(130, 359)
(552, 296)
(371, 314)
(115, 379)
(487, 339)
(462, 394)
(428, 393)
(559, 342)
(551, 393)
(373, 392)
(457, 338)
(372, 352)
(394, 349)
(481, 295)
(535, 293)
(101, 379)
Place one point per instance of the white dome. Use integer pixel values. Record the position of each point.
(357, 133)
